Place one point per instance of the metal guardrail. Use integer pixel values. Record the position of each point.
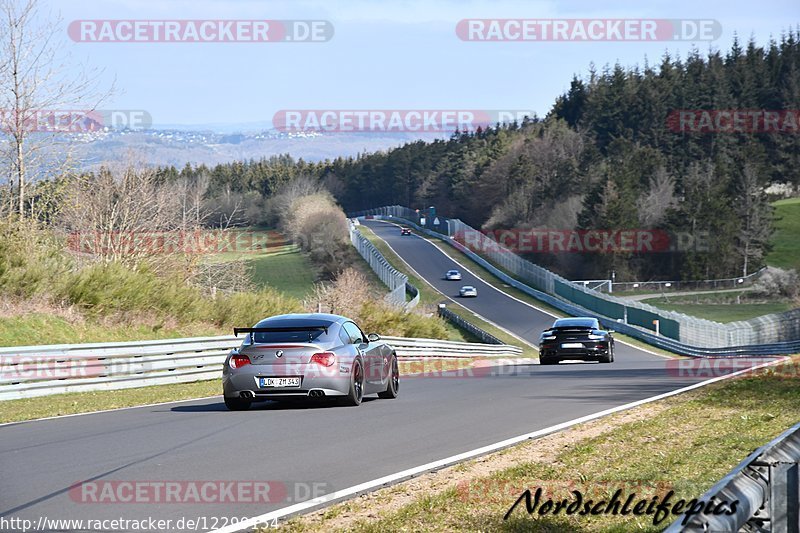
(766, 486)
(29, 371)
(472, 329)
(396, 281)
(691, 285)
(714, 345)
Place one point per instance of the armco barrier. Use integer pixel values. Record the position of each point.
(765, 485)
(718, 343)
(396, 281)
(472, 329)
(28, 371)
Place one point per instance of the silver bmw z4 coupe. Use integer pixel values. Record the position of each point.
(308, 356)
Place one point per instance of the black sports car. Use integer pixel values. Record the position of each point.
(576, 338)
(405, 231)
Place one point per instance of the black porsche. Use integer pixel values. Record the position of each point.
(576, 338)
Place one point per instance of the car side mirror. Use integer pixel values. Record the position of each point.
(373, 337)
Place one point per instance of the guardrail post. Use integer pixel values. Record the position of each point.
(784, 491)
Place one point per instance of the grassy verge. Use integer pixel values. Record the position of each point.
(430, 296)
(42, 328)
(285, 268)
(685, 444)
(719, 307)
(290, 272)
(87, 402)
(490, 278)
(785, 253)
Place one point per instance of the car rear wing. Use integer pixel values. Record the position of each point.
(293, 329)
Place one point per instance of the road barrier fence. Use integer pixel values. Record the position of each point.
(396, 281)
(28, 371)
(765, 487)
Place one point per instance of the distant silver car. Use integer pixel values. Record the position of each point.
(453, 275)
(308, 356)
(468, 291)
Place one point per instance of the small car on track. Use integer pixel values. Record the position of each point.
(452, 275)
(576, 338)
(405, 231)
(468, 291)
(308, 356)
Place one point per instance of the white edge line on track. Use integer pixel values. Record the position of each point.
(391, 479)
(509, 295)
(107, 410)
(417, 274)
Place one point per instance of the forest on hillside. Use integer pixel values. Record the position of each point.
(607, 156)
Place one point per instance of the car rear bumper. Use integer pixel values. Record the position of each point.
(234, 384)
(587, 353)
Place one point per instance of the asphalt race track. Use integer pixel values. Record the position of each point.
(296, 446)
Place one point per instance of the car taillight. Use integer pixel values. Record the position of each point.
(324, 358)
(238, 361)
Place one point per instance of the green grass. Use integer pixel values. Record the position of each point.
(690, 443)
(430, 296)
(289, 272)
(721, 312)
(86, 402)
(284, 268)
(40, 328)
(785, 251)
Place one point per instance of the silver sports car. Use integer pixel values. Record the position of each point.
(308, 356)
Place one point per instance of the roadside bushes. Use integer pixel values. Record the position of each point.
(350, 295)
(778, 282)
(113, 289)
(244, 309)
(30, 260)
(380, 317)
(308, 214)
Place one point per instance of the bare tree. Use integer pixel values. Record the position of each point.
(36, 79)
(123, 215)
(345, 296)
(652, 205)
(755, 214)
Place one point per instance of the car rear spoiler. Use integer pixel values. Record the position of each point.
(236, 331)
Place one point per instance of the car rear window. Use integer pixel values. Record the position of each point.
(309, 335)
(287, 336)
(587, 323)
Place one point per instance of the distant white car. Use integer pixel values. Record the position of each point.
(453, 275)
(468, 291)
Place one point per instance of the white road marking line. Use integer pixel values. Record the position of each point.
(391, 479)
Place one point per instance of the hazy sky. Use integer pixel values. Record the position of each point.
(384, 55)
